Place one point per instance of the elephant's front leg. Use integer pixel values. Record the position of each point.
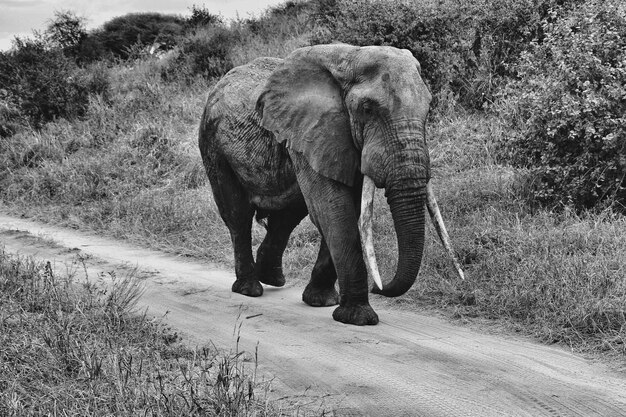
(332, 209)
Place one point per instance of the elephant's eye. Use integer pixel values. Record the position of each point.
(367, 107)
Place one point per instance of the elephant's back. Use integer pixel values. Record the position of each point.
(231, 127)
(242, 85)
(229, 115)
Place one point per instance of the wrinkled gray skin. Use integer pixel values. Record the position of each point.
(283, 138)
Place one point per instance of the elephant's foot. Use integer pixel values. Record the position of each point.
(358, 314)
(251, 288)
(271, 276)
(320, 297)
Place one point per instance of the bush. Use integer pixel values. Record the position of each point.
(276, 33)
(571, 108)
(45, 84)
(10, 116)
(205, 53)
(286, 19)
(454, 43)
(424, 31)
(117, 36)
(200, 16)
(67, 31)
(467, 49)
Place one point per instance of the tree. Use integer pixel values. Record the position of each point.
(200, 16)
(66, 31)
(120, 34)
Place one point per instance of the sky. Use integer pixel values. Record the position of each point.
(20, 17)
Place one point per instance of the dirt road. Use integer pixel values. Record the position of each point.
(408, 365)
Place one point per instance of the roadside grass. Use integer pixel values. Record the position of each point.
(77, 347)
(558, 276)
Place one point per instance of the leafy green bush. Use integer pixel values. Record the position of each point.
(571, 106)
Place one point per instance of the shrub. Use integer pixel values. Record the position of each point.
(44, 83)
(200, 16)
(454, 42)
(10, 116)
(423, 31)
(96, 78)
(571, 108)
(205, 53)
(66, 31)
(467, 49)
(276, 33)
(286, 19)
(117, 36)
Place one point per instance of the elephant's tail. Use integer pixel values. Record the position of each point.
(261, 217)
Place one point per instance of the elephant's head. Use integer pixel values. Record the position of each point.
(355, 111)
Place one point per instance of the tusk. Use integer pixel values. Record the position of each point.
(365, 230)
(435, 215)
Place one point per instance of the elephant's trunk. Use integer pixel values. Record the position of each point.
(407, 210)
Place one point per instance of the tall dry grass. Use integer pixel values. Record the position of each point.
(74, 346)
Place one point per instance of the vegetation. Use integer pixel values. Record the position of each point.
(571, 116)
(78, 347)
(201, 16)
(66, 31)
(467, 49)
(527, 143)
(119, 35)
(43, 84)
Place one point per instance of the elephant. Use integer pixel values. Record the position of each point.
(307, 134)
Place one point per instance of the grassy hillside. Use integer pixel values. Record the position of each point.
(127, 164)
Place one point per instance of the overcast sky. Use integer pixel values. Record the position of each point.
(20, 17)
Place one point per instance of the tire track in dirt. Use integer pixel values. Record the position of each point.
(408, 365)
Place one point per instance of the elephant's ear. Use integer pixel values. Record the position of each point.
(302, 105)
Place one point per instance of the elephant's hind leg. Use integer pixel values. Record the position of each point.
(269, 258)
(237, 212)
(321, 291)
